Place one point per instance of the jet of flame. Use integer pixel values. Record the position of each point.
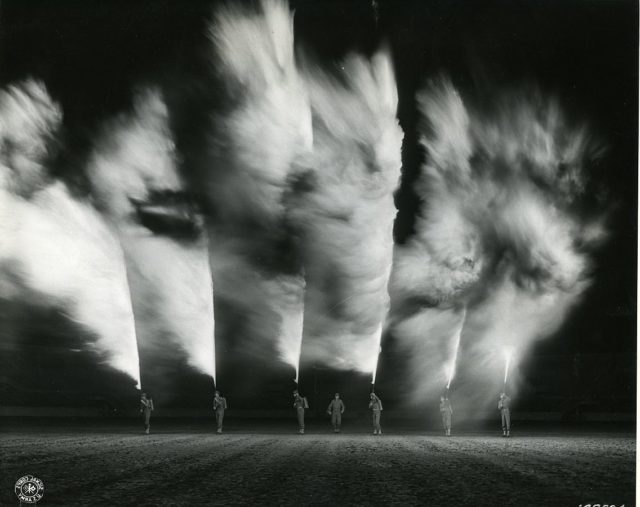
(55, 244)
(134, 177)
(507, 361)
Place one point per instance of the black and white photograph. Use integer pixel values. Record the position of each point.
(318, 252)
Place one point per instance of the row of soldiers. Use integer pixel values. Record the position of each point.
(504, 406)
(336, 408)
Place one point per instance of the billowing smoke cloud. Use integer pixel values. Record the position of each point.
(255, 141)
(307, 163)
(500, 233)
(53, 244)
(269, 121)
(134, 176)
(343, 210)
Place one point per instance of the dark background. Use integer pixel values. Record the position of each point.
(92, 55)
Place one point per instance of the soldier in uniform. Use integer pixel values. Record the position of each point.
(336, 409)
(299, 403)
(375, 404)
(219, 406)
(503, 406)
(146, 407)
(445, 411)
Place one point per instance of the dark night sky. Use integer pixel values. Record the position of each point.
(93, 54)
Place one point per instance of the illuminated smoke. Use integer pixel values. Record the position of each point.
(327, 188)
(133, 172)
(253, 144)
(269, 122)
(500, 231)
(343, 210)
(54, 244)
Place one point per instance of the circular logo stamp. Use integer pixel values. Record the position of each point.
(29, 489)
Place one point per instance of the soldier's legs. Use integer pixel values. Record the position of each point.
(334, 421)
(508, 420)
(376, 422)
(301, 419)
(447, 423)
(503, 414)
(219, 419)
(338, 421)
(147, 420)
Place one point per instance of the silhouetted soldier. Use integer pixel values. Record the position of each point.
(503, 405)
(300, 403)
(146, 407)
(376, 406)
(445, 411)
(219, 406)
(336, 409)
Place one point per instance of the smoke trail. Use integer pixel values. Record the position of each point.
(133, 172)
(500, 231)
(53, 243)
(344, 211)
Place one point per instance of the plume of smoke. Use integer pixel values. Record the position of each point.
(54, 244)
(253, 148)
(269, 122)
(499, 231)
(343, 209)
(327, 184)
(134, 176)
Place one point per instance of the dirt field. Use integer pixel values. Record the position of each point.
(90, 465)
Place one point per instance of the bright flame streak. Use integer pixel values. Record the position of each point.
(452, 367)
(286, 294)
(213, 325)
(507, 359)
(375, 366)
(300, 345)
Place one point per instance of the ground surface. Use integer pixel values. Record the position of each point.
(180, 464)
